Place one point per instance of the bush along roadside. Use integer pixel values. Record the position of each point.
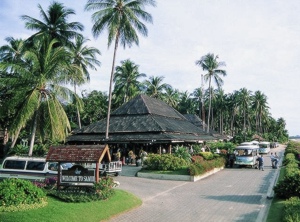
(289, 187)
(204, 162)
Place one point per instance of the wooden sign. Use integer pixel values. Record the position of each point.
(78, 174)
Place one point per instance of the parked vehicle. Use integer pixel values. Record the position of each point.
(246, 155)
(264, 147)
(29, 168)
(113, 167)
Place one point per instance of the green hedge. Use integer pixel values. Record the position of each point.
(17, 192)
(290, 185)
(291, 211)
(164, 162)
(200, 167)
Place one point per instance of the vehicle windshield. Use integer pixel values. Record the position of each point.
(243, 152)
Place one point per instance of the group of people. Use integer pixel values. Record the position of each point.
(274, 161)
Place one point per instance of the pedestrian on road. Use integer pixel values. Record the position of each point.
(272, 159)
(260, 160)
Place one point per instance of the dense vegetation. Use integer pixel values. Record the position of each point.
(288, 188)
(35, 74)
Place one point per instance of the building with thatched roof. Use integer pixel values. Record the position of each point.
(142, 121)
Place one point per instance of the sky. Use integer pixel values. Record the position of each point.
(258, 40)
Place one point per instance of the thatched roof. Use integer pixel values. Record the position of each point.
(142, 119)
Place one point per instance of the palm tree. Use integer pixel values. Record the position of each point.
(260, 107)
(171, 97)
(155, 88)
(210, 64)
(83, 58)
(13, 51)
(54, 24)
(121, 19)
(10, 53)
(38, 91)
(126, 80)
(245, 99)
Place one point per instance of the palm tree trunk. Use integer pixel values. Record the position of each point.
(5, 139)
(209, 105)
(110, 86)
(33, 134)
(77, 109)
(16, 136)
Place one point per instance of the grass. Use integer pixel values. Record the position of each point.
(72, 212)
(276, 208)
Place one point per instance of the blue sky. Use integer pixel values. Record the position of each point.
(258, 40)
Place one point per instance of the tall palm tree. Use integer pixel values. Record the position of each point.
(126, 80)
(210, 64)
(83, 58)
(155, 88)
(121, 19)
(54, 24)
(38, 91)
(10, 53)
(171, 97)
(260, 107)
(245, 99)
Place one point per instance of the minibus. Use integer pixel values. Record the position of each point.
(246, 155)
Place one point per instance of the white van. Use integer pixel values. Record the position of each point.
(29, 168)
(246, 155)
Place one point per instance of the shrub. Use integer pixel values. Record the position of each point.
(198, 168)
(100, 191)
(15, 192)
(183, 153)
(164, 162)
(291, 210)
(207, 155)
(289, 186)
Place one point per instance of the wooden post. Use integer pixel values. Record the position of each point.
(97, 172)
(58, 175)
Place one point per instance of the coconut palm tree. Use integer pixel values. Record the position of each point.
(260, 107)
(83, 58)
(210, 64)
(244, 100)
(54, 24)
(126, 80)
(121, 18)
(10, 53)
(13, 51)
(155, 88)
(171, 97)
(38, 91)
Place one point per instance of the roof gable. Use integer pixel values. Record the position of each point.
(143, 104)
(80, 153)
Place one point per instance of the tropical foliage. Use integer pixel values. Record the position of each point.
(39, 77)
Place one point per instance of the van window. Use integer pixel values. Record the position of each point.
(53, 166)
(34, 165)
(14, 164)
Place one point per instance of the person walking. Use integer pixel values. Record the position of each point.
(272, 159)
(260, 160)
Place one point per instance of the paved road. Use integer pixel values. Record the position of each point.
(238, 194)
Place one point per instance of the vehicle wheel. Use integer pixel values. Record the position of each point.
(116, 174)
